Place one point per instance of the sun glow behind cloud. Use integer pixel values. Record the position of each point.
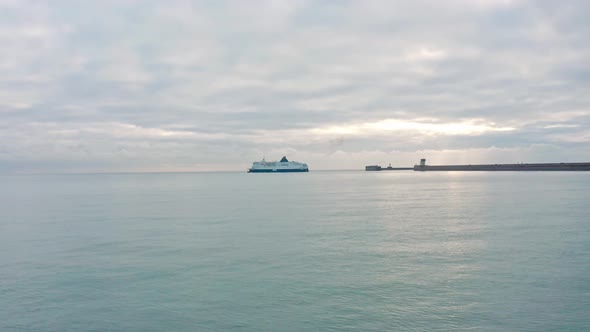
(431, 128)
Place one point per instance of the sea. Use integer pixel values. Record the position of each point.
(317, 251)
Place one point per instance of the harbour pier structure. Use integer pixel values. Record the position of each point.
(423, 167)
(583, 166)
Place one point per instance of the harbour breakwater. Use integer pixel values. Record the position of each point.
(422, 167)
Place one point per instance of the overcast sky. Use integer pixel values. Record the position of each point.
(98, 86)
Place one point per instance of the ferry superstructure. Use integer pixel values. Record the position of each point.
(282, 166)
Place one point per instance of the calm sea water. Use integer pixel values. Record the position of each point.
(291, 252)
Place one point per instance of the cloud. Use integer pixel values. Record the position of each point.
(470, 127)
(202, 85)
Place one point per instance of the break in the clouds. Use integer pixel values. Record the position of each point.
(202, 85)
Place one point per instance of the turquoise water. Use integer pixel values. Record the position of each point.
(289, 252)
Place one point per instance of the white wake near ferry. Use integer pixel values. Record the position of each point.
(282, 166)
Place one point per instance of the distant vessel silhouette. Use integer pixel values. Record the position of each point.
(282, 166)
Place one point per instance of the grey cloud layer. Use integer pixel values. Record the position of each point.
(147, 85)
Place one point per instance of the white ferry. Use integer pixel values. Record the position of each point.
(281, 166)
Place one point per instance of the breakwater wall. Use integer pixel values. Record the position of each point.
(506, 167)
(422, 167)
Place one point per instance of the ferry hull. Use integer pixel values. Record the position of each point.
(278, 170)
(283, 166)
